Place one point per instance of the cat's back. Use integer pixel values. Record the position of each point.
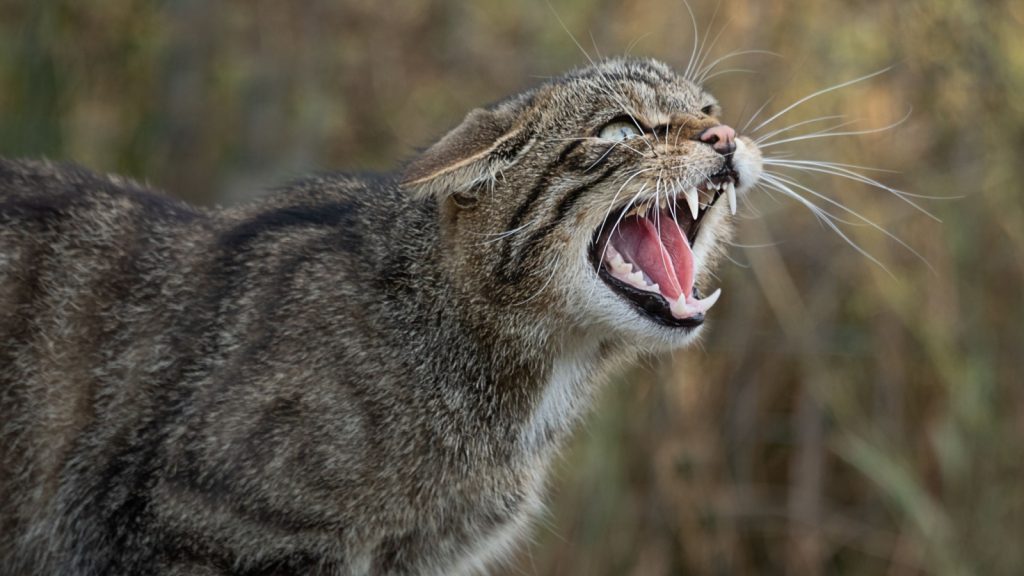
(67, 236)
(73, 253)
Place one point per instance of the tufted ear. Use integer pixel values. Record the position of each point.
(470, 157)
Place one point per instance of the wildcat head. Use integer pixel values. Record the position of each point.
(600, 198)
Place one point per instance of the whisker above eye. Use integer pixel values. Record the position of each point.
(729, 71)
(617, 98)
(702, 52)
(688, 73)
(703, 75)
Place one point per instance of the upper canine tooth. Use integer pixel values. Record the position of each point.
(692, 201)
(730, 191)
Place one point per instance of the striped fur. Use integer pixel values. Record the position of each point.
(352, 376)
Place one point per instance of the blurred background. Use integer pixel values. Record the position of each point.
(838, 418)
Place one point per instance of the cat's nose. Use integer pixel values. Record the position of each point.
(721, 137)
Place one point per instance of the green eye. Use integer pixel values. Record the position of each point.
(619, 130)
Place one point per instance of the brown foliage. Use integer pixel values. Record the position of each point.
(838, 418)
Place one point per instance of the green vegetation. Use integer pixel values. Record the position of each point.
(839, 418)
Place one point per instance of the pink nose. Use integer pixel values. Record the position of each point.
(722, 138)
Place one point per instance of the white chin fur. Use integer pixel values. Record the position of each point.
(746, 160)
(616, 316)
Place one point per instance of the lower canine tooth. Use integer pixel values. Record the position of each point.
(705, 304)
(679, 308)
(682, 309)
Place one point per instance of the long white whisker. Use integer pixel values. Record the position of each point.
(593, 43)
(822, 217)
(774, 133)
(702, 76)
(592, 63)
(782, 179)
(728, 71)
(855, 177)
(629, 49)
(819, 93)
(701, 55)
(756, 114)
(611, 206)
(843, 165)
(688, 73)
(828, 134)
(604, 251)
(567, 31)
(749, 246)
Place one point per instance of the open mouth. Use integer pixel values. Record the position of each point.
(644, 252)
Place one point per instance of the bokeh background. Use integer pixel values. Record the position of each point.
(839, 417)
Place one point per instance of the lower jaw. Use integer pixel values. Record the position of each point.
(650, 305)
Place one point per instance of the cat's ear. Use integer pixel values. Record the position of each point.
(470, 157)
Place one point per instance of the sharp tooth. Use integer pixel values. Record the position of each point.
(730, 191)
(682, 309)
(692, 201)
(705, 304)
(679, 308)
(637, 279)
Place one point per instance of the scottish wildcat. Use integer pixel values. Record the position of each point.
(354, 375)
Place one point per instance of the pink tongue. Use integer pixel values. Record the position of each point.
(665, 257)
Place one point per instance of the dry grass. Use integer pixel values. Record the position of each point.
(838, 419)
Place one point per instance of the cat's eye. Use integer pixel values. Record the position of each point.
(619, 130)
(707, 110)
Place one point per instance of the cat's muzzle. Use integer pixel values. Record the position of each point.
(643, 251)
